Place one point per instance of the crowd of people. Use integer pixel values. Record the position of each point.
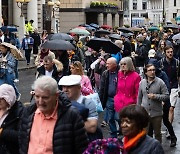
(137, 87)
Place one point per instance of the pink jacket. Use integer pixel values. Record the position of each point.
(86, 87)
(127, 90)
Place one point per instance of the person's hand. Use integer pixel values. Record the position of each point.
(151, 96)
(171, 108)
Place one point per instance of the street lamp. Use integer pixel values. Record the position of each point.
(55, 5)
(20, 4)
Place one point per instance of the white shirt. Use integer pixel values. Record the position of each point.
(47, 73)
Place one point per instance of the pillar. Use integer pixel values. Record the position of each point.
(1, 20)
(109, 19)
(32, 12)
(100, 19)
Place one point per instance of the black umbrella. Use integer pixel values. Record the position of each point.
(100, 43)
(115, 36)
(61, 36)
(125, 30)
(58, 45)
(49, 36)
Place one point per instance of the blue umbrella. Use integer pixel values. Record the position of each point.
(95, 25)
(9, 29)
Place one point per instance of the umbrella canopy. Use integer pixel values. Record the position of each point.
(9, 28)
(15, 52)
(49, 36)
(102, 31)
(115, 36)
(79, 31)
(61, 36)
(176, 37)
(58, 45)
(125, 30)
(106, 27)
(153, 28)
(135, 29)
(172, 26)
(100, 43)
(94, 25)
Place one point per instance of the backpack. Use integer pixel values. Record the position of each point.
(104, 146)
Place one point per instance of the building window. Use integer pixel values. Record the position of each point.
(145, 15)
(135, 14)
(174, 15)
(134, 4)
(174, 2)
(144, 5)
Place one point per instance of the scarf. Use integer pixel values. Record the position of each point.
(129, 143)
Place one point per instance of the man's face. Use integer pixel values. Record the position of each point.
(48, 65)
(169, 53)
(45, 101)
(151, 72)
(165, 36)
(110, 65)
(72, 92)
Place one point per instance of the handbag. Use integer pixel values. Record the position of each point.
(95, 97)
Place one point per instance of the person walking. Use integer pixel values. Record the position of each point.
(27, 45)
(127, 85)
(152, 91)
(107, 91)
(51, 125)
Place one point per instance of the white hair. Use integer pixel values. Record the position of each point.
(46, 83)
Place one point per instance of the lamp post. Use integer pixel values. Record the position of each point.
(20, 4)
(54, 5)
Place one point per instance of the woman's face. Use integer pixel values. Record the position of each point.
(3, 49)
(123, 66)
(162, 45)
(73, 70)
(3, 104)
(129, 127)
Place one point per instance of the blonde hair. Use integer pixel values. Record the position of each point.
(129, 63)
(78, 67)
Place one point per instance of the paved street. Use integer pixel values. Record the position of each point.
(27, 77)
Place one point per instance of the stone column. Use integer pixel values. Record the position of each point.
(109, 19)
(100, 19)
(32, 12)
(117, 20)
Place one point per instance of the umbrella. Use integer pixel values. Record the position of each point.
(176, 37)
(61, 36)
(100, 43)
(15, 52)
(79, 31)
(127, 34)
(106, 27)
(153, 28)
(135, 29)
(172, 26)
(125, 30)
(58, 45)
(9, 28)
(94, 25)
(49, 36)
(102, 31)
(115, 36)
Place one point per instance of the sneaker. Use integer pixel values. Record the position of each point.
(16, 80)
(104, 124)
(173, 141)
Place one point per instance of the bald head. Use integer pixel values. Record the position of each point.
(111, 64)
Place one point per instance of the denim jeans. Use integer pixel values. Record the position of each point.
(112, 117)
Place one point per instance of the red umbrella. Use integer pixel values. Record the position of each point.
(106, 27)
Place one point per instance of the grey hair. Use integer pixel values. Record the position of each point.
(119, 43)
(129, 63)
(46, 83)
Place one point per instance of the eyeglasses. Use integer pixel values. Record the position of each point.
(123, 64)
(151, 70)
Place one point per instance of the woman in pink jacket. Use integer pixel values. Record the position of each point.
(76, 68)
(127, 86)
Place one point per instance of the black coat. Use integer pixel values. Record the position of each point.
(10, 125)
(104, 84)
(56, 75)
(69, 134)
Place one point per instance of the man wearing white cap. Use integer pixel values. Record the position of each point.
(71, 85)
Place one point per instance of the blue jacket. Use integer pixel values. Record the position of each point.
(23, 46)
